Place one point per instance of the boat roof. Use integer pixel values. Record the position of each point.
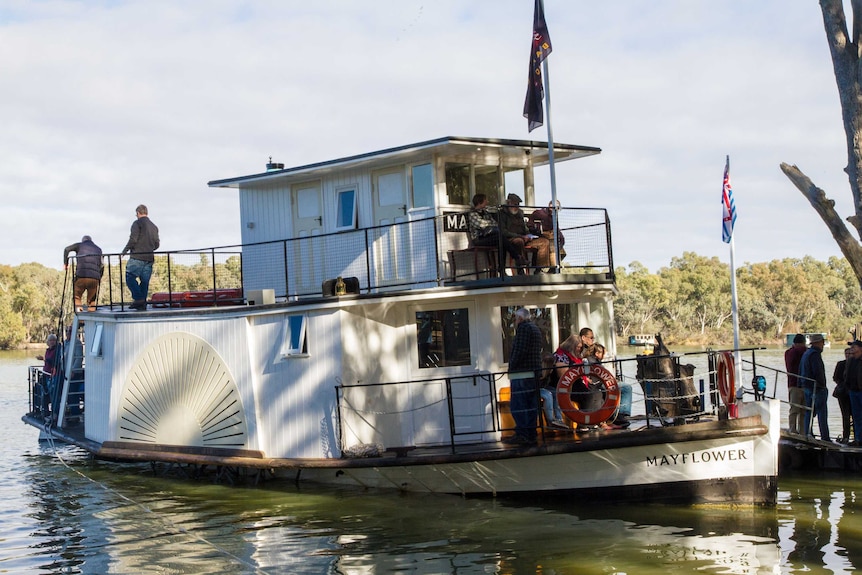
(449, 146)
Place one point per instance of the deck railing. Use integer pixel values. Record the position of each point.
(401, 255)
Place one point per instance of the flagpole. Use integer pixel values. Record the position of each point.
(547, 81)
(728, 225)
(734, 308)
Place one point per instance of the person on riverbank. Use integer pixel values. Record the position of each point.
(795, 393)
(853, 383)
(843, 396)
(525, 360)
(88, 271)
(143, 241)
(812, 378)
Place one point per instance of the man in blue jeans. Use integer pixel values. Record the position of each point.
(853, 383)
(812, 377)
(524, 362)
(143, 241)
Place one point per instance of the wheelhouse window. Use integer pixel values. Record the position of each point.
(295, 341)
(443, 338)
(487, 179)
(458, 184)
(423, 186)
(463, 180)
(541, 317)
(345, 218)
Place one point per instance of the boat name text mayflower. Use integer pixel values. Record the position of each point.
(711, 456)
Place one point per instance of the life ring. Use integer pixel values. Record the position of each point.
(725, 369)
(611, 393)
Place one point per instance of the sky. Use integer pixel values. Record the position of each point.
(108, 104)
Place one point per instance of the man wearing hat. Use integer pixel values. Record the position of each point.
(515, 231)
(795, 393)
(812, 378)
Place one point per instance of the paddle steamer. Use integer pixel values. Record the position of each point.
(357, 338)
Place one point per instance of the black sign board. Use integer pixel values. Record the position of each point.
(455, 221)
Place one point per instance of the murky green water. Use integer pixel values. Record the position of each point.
(61, 513)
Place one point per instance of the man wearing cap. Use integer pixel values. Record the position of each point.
(853, 383)
(514, 229)
(88, 271)
(795, 394)
(484, 231)
(812, 378)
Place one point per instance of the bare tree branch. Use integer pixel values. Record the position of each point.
(826, 208)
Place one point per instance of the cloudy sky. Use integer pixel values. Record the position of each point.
(108, 104)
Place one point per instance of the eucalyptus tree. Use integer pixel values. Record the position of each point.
(640, 300)
(700, 287)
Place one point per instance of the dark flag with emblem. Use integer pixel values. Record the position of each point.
(539, 51)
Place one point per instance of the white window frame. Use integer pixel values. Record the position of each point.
(96, 347)
(295, 347)
(414, 340)
(339, 193)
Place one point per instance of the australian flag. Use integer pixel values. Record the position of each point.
(728, 208)
(539, 51)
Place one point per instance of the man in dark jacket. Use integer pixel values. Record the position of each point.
(88, 271)
(143, 241)
(525, 361)
(795, 392)
(812, 377)
(515, 231)
(853, 383)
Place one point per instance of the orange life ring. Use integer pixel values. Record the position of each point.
(611, 394)
(726, 368)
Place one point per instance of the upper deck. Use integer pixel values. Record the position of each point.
(393, 219)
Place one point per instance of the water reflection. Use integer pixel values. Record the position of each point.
(124, 520)
(820, 524)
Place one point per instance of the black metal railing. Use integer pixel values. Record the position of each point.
(421, 253)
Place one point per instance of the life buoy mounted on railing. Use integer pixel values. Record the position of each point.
(610, 392)
(726, 371)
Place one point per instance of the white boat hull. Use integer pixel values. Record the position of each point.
(729, 469)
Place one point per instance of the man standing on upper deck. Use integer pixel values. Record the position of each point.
(143, 241)
(795, 393)
(88, 271)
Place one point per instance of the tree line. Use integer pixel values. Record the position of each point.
(32, 296)
(688, 302)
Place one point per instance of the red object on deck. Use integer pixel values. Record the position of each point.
(205, 298)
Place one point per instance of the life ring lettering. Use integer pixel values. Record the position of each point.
(571, 406)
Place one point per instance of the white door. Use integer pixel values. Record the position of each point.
(307, 254)
(390, 240)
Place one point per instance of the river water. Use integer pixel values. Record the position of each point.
(62, 513)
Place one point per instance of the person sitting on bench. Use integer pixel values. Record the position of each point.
(484, 231)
